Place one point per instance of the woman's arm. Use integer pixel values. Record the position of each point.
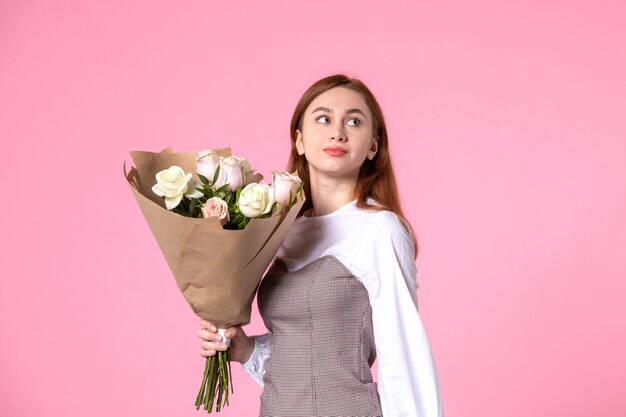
(251, 351)
(255, 365)
(407, 376)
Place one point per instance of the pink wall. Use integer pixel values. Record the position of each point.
(509, 138)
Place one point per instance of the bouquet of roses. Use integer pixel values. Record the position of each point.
(219, 229)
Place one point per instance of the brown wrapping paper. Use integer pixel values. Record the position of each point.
(217, 270)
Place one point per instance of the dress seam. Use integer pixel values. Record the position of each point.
(312, 364)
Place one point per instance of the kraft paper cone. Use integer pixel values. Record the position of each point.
(217, 270)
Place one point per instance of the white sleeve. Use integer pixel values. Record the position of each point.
(408, 381)
(255, 365)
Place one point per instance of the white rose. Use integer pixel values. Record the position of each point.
(256, 200)
(192, 191)
(171, 184)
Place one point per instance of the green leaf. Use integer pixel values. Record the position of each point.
(204, 179)
(217, 174)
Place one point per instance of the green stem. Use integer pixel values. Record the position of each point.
(230, 374)
(208, 401)
(215, 380)
(223, 378)
(205, 375)
(218, 405)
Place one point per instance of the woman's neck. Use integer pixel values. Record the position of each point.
(329, 194)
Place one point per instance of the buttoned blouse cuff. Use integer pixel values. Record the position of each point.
(255, 365)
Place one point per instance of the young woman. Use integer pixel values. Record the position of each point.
(341, 291)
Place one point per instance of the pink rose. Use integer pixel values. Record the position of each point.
(208, 161)
(285, 183)
(234, 169)
(216, 207)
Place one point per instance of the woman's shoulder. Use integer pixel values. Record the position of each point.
(386, 231)
(382, 244)
(386, 220)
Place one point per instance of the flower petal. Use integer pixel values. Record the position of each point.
(172, 202)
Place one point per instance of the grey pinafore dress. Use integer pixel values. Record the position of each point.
(322, 344)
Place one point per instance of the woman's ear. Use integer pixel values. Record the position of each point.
(373, 149)
(299, 145)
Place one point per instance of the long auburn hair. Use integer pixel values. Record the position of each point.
(376, 178)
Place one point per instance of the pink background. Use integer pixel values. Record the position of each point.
(508, 132)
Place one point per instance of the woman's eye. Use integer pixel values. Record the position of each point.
(356, 122)
(319, 119)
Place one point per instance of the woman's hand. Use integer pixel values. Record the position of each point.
(241, 346)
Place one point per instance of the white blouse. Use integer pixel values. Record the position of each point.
(376, 248)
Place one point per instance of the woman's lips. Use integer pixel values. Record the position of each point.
(335, 152)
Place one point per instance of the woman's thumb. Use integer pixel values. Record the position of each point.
(231, 332)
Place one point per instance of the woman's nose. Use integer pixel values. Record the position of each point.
(339, 134)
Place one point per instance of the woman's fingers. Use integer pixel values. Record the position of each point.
(210, 348)
(213, 345)
(231, 332)
(207, 353)
(213, 341)
(208, 325)
(207, 335)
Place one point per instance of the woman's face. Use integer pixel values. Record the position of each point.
(337, 133)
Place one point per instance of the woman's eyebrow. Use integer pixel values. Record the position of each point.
(327, 110)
